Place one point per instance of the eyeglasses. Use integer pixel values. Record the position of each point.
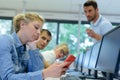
(63, 53)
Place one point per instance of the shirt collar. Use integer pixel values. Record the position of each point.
(97, 22)
(16, 40)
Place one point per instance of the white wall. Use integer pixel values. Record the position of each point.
(59, 9)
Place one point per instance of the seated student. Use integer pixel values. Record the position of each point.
(58, 52)
(44, 39)
(13, 55)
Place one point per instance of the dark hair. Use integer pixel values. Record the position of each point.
(47, 31)
(91, 3)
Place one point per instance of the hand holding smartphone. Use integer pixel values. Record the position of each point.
(70, 59)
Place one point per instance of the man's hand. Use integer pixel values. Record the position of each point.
(92, 34)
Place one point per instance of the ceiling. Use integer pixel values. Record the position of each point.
(59, 9)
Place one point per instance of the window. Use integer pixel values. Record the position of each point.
(62, 32)
(85, 40)
(5, 26)
(68, 33)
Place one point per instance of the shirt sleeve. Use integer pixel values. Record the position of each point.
(7, 71)
(106, 26)
(35, 62)
(49, 56)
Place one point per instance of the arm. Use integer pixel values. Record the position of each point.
(55, 70)
(94, 35)
(7, 68)
(36, 61)
(46, 64)
(104, 27)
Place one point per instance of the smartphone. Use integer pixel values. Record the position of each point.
(70, 59)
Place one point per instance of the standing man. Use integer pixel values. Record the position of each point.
(99, 24)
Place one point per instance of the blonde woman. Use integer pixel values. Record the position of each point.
(58, 52)
(13, 56)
